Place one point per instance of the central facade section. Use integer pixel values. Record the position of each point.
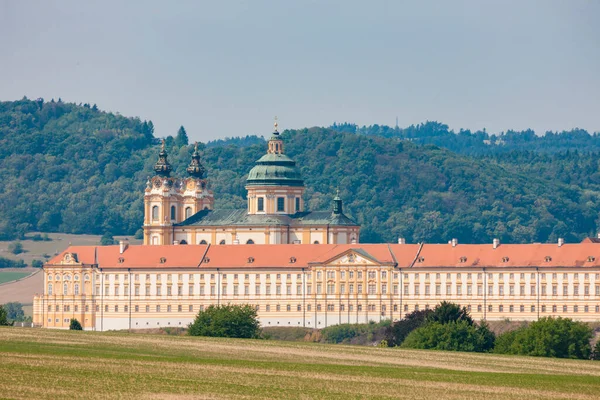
(275, 214)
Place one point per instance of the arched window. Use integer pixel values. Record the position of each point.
(188, 212)
(222, 241)
(183, 242)
(202, 241)
(65, 289)
(155, 213)
(76, 289)
(50, 289)
(206, 207)
(316, 242)
(173, 211)
(250, 241)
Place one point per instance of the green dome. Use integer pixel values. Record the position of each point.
(275, 170)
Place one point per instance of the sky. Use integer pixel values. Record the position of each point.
(226, 68)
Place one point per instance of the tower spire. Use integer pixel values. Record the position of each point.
(275, 143)
(195, 169)
(162, 166)
(337, 203)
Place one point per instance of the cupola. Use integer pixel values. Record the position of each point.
(162, 166)
(337, 204)
(195, 169)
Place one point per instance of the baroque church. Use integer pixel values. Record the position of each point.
(180, 211)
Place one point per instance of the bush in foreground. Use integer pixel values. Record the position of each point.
(548, 337)
(3, 316)
(344, 333)
(233, 321)
(75, 325)
(399, 330)
(456, 336)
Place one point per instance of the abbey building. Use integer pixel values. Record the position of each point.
(182, 210)
(296, 267)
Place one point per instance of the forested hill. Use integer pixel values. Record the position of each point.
(482, 142)
(76, 169)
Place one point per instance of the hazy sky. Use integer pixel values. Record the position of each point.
(225, 68)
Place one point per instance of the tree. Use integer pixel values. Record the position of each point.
(454, 336)
(449, 312)
(15, 248)
(234, 321)
(37, 264)
(3, 316)
(14, 311)
(182, 138)
(107, 239)
(399, 330)
(75, 325)
(548, 337)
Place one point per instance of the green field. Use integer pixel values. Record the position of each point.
(45, 364)
(7, 276)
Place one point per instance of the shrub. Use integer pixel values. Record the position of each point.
(234, 321)
(75, 325)
(3, 316)
(107, 240)
(548, 337)
(454, 336)
(37, 264)
(344, 333)
(15, 248)
(446, 312)
(398, 331)
(596, 352)
(14, 311)
(8, 263)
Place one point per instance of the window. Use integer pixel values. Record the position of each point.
(565, 290)
(76, 289)
(351, 288)
(191, 308)
(359, 288)
(116, 290)
(191, 290)
(490, 290)
(224, 290)
(288, 290)
(173, 212)
(278, 289)
(479, 290)
(250, 241)
(448, 289)
(188, 212)
(576, 290)
(342, 288)
(427, 290)
(137, 308)
(261, 204)
(213, 291)
(384, 289)
(50, 289)
(159, 290)
(65, 289)
(280, 204)
(158, 308)
(297, 204)
(179, 290)
(257, 289)
(371, 289)
(532, 290)
(155, 213)
(417, 290)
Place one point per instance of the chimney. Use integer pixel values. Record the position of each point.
(598, 235)
(401, 241)
(175, 242)
(353, 241)
(561, 241)
(454, 242)
(123, 246)
(496, 243)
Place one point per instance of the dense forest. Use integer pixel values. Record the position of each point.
(481, 142)
(75, 169)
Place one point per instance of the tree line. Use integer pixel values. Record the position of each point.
(76, 169)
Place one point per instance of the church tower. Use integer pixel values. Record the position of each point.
(275, 185)
(169, 200)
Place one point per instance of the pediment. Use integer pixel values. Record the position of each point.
(353, 257)
(69, 259)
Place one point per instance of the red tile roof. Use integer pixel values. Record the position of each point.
(586, 254)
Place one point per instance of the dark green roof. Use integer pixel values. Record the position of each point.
(241, 218)
(275, 170)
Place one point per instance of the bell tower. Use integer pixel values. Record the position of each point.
(196, 196)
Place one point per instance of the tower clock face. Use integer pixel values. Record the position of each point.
(190, 185)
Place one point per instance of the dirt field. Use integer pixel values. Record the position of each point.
(24, 289)
(45, 364)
